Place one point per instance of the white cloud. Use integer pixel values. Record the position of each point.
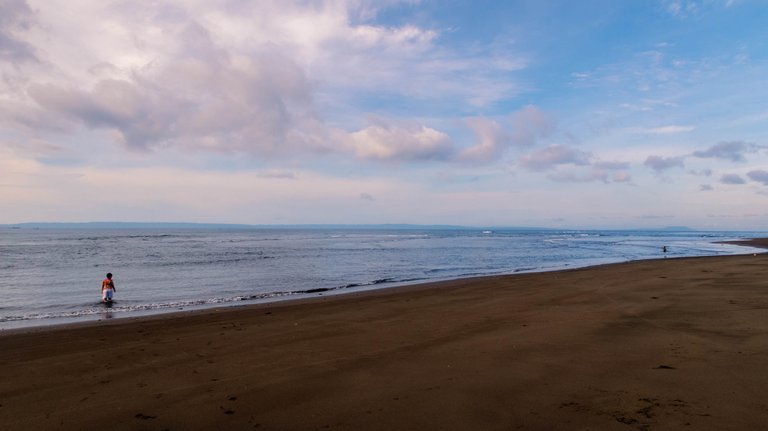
(759, 175)
(732, 179)
(385, 140)
(15, 17)
(192, 92)
(596, 172)
(522, 128)
(491, 140)
(554, 155)
(681, 8)
(621, 177)
(529, 124)
(30, 147)
(568, 164)
(733, 151)
(663, 130)
(237, 76)
(659, 163)
(689, 8)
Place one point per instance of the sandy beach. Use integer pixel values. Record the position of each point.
(665, 344)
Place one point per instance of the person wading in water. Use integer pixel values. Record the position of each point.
(107, 288)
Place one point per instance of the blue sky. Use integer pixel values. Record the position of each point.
(590, 114)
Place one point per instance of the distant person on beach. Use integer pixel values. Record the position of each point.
(107, 288)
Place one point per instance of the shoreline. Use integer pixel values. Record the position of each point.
(650, 344)
(104, 315)
(433, 285)
(752, 242)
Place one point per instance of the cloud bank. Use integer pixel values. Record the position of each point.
(249, 78)
(734, 151)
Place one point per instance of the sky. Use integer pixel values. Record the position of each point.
(548, 113)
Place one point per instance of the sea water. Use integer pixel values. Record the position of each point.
(51, 276)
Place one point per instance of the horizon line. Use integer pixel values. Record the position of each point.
(141, 224)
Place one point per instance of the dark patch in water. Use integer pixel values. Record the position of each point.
(319, 289)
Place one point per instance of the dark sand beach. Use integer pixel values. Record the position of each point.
(667, 344)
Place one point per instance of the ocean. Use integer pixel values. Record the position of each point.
(53, 275)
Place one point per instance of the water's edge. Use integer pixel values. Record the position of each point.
(103, 313)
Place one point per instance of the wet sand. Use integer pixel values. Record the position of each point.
(666, 344)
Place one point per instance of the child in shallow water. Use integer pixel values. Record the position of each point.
(107, 288)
